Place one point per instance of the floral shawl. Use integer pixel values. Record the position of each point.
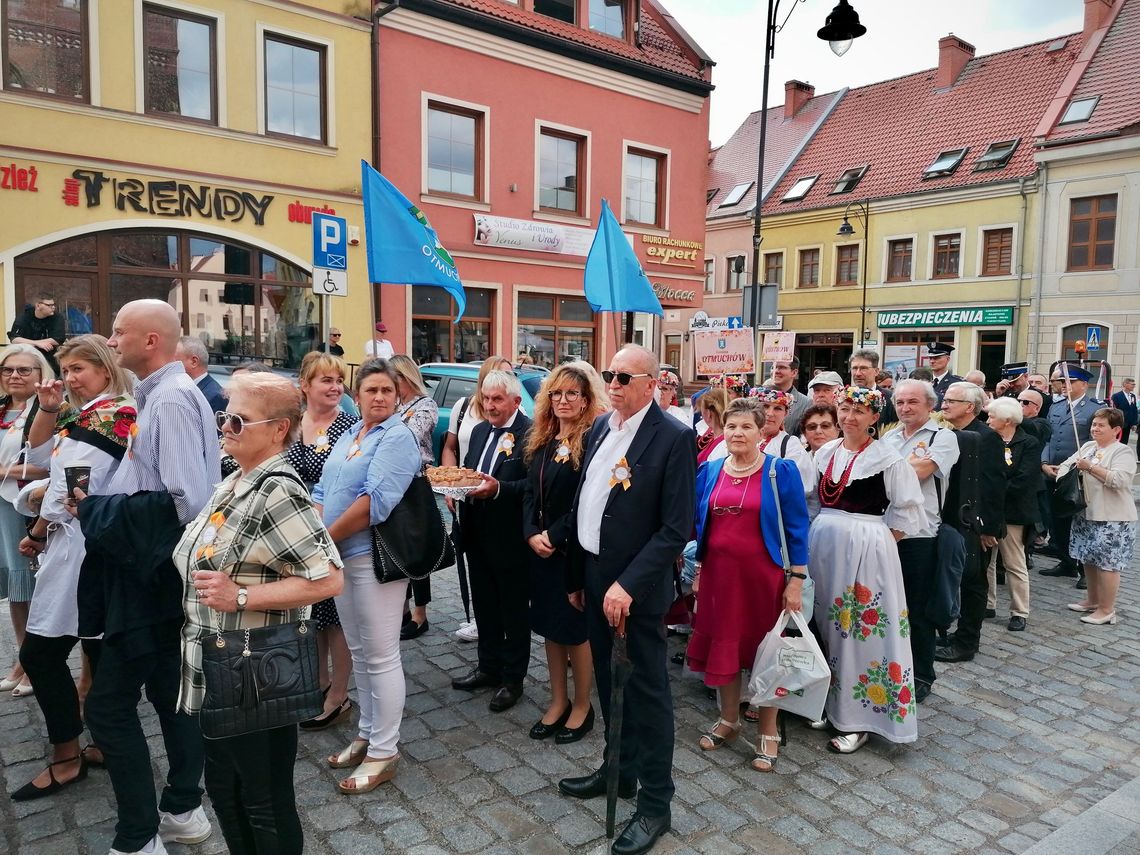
(105, 423)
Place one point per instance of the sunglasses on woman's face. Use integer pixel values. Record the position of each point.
(621, 376)
(818, 426)
(237, 423)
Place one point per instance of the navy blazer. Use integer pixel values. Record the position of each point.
(211, 390)
(793, 508)
(645, 528)
(1120, 401)
(499, 521)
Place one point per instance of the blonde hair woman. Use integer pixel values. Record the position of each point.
(571, 398)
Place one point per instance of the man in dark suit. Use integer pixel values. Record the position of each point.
(498, 558)
(962, 406)
(631, 519)
(196, 360)
(938, 356)
(1125, 401)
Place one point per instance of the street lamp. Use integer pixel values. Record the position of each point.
(841, 27)
(862, 212)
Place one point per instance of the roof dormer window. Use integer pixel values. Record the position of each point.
(945, 163)
(736, 194)
(560, 10)
(1079, 110)
(608, 16)
(996, 156)
(800, 189)
(849, 180)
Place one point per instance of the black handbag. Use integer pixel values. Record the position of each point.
(1069, 494)
(412, 543)
(260, 678)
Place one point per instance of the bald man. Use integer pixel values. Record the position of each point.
(131, 591)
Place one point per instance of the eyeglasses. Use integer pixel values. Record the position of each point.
(22, 371)
(237, 423)
(334, 335)
(954, 401)
(621, 376)
(1024, 403)
(733, 510)
(818, 426)
(567, 395)
(46, 303)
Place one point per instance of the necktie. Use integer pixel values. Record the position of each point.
(488, 461)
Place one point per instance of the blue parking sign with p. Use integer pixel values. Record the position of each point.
(330, 242)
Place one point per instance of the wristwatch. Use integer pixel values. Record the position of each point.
(243, 595)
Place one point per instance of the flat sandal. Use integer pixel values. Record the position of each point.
(352, 756)
(712, 740)
(369, 775)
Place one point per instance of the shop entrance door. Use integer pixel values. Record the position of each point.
(825, 351)
(991, 355)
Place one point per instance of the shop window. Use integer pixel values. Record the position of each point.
(213, 284)
(1092, 233)
(997, 252)
(295, 89)
(560, 10)
(774, 268)
(905, 351)
(179, 64)
(809, 268)
(899, 256)
(436, 339)
(710, 275)
(608, 16)
(560, 172)
(947, 252)
(454, 151)
(560, 330)
(737, 269)
(46, 47)
(644, 187)
(847, 265)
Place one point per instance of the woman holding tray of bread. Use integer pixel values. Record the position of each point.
(570, 399)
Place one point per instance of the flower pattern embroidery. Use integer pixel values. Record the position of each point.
(904, 623)
(857, 613)
(886, 689)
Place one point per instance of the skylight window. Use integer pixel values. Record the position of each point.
(944, 164)
(800, 189)
(849, 180)
(711, 195)
(996, 156)
(736, 194)
(1080, 110)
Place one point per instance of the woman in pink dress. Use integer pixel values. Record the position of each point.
(741, 585)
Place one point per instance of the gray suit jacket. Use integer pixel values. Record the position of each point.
(1062, 443)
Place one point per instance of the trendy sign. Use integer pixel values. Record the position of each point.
(725, 352)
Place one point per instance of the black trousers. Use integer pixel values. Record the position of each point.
(918, 556)
(420, 591)
(149, 657)
(250, 782)
(500, 595)
(647, 725)
(1059, 529)
(44, 660)
(975, 588)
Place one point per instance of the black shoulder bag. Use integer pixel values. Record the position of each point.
(412, 543)
(260, 678)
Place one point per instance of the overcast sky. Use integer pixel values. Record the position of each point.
(902, 37)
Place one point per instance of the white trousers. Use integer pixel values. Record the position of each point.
(371, 615)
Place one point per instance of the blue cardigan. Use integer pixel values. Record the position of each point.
(792, 503)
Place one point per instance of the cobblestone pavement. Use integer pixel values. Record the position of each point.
(1025, 740)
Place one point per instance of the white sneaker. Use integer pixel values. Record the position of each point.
(467, 631)
(192, 827)
(154, 847)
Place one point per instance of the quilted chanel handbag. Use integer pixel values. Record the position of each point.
(412, 543)
(259, 678)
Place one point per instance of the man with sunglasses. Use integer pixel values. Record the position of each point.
(131, 592)
(631, 518)
(41, 327)
(333, 346)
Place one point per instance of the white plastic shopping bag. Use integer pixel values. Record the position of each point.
(790, 673)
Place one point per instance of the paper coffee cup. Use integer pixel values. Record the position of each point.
(78, 475)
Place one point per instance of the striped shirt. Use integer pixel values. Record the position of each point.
(173, 447)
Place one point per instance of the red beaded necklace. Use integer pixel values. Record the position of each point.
(4, 424)
(830, 491)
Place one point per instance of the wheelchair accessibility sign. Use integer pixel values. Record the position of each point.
(330, 256)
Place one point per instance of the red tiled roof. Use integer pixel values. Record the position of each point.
(1111, 74)
(900, 126)
(660, 48)
(735, 162)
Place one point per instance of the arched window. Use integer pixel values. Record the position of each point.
(243, 302)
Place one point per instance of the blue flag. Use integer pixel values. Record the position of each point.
(614, 280)
(402, 247)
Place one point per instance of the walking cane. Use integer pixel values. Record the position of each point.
(620, 668)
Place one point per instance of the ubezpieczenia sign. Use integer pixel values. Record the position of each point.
(981, 316)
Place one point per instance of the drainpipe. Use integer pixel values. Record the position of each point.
(1020, 270)
(1043, 183)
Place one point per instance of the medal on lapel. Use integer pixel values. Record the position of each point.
(507, 444)
(1008, 456)
(210, 534)
(562, 453)
(131, 439)
(620, 474)
(321, 443)
(921, 451)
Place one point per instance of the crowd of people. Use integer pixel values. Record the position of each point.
(200, 514)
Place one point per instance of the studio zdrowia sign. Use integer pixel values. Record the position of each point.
(725, 352)
(164, 198)
(951, 316)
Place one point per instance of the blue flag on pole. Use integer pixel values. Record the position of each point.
(614, 279)
(401, 245)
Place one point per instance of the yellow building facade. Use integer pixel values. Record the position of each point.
(177, 152)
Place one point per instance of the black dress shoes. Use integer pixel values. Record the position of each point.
(1063, 568)
(1016, 623)
(640, 834)
(475, 680)
(506, 697)
(594, 785)
(411, 629)
(572, 734)
(544, 731)
(991, 613)
(921, 692)
(953, 653)
(1081, 585)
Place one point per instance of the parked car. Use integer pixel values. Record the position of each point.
(223, 373)
(447, 382)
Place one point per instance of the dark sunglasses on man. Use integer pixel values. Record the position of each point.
(622, 377)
